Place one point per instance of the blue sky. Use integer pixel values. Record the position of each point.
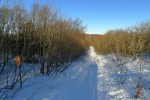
(102, 15)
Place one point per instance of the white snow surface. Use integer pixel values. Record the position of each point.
(91, 77)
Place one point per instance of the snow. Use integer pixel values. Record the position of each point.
(78, 82)
(91, 77)
(109, 87)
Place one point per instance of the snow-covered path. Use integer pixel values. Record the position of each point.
(78, 82)
(92, 77)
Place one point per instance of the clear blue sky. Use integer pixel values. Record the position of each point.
(103, 15)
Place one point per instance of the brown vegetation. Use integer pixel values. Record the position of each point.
(132, 41)
(40, 32)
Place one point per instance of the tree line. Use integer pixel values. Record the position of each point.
(128, 42)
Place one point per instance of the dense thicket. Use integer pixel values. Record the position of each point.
(39, 32)
(131, 41)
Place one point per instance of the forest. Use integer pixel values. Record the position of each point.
(41, 42)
